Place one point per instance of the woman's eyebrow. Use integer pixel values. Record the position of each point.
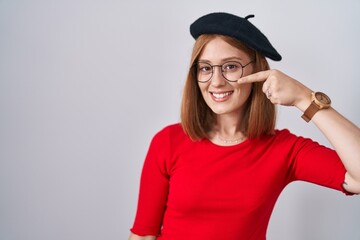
(222, 60)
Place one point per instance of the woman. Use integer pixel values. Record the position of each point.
(218, 174)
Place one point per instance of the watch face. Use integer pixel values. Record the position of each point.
(322, 98)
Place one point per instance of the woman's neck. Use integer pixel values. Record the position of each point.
(228, 130)
(228, 124)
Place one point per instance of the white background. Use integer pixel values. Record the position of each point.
(84, 85)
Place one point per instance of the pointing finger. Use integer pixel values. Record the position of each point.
(256, 77)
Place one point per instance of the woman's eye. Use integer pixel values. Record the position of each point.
(229, 67)
(205, 68)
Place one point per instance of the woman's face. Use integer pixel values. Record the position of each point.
(222, 96)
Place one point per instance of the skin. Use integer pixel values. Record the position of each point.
(284, 90)
(229, 110)
(136, 237)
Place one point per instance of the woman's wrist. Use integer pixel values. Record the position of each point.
(305, 100)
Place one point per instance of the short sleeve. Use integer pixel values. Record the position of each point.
(154, 187)
(318, 164)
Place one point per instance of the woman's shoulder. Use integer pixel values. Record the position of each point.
(175, 127)
(285, 135)
(172, 131)
(282, 132)
(171, 138)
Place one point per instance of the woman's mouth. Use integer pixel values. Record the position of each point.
(221, 96)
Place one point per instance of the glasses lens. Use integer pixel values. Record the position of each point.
(204, 72)
(232, 71)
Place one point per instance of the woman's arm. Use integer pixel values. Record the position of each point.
(344, 136)
(154, 188)
(341, 133)
(137, 237)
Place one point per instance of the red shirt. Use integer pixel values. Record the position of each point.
(202, 191)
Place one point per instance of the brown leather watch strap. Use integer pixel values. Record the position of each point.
(310, 111)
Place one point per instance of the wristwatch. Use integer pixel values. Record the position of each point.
(319, 101)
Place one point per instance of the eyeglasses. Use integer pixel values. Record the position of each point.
(231, 71)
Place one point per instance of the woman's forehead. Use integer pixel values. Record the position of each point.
(218, 49)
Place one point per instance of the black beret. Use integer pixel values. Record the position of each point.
(236, 27)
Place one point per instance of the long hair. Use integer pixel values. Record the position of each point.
(197, 119)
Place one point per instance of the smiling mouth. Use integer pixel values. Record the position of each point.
(221, 95)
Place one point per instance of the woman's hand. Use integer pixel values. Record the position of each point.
(280, 88)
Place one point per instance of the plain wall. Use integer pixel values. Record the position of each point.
(84, 85)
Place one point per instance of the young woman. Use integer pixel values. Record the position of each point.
(218, 174)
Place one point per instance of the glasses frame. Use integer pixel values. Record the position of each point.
(221, 68)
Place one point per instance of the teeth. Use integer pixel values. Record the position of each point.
(221, 95)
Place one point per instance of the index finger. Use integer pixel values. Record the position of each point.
(255, 77)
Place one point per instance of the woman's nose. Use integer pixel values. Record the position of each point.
(218, 78)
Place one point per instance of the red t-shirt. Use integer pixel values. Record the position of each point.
(202, 191)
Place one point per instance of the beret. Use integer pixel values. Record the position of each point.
(236, 27)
